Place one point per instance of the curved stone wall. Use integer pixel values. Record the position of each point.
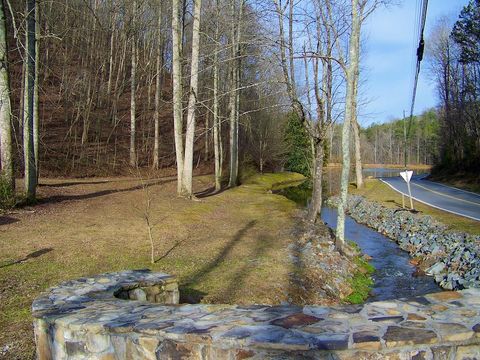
(133, 315)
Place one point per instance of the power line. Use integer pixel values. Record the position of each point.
(420, 52)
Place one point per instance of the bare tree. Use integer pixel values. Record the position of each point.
(217, 135)
(36, 117)
(235, 37)
(133, 88)
(350, 100)
(29, 113)
(6, 148)
(322, 56)
(177, 91)
(158, 84)
(189, 138)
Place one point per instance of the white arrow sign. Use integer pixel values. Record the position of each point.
(406, 175)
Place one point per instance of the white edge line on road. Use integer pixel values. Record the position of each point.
(436, 207)
(450, 187)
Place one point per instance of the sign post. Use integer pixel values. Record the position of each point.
(407, 175)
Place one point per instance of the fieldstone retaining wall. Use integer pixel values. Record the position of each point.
(454, 256)
(91, 318)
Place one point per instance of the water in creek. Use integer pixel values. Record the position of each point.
(394, 275)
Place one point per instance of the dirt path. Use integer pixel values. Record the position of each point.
(227, 248)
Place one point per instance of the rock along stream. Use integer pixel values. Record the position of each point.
(394, 275)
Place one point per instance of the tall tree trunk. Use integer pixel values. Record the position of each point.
(86, 115)
(317, 196)
(234, 94)
(177, 91)
(28, 126)
(110, 58)
(133, 86)
(217, 138)
(320, 133)
(156, 145)
(36, 116)
(232, 105)
(358, 154)
(6, 145)
(233, 130)
(290, 44)
(21, 111)
(192, 104)
(309, 102)
(296, 104)
(207, 137)
(355, 125)
(350, 77)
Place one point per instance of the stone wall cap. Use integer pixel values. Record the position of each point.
(89, 304)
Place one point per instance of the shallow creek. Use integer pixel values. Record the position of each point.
(394, 275)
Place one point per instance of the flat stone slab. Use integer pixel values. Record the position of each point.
(135, 315)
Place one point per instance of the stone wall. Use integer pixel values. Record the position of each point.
(94, 318)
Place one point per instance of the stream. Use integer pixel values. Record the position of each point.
(394, 275)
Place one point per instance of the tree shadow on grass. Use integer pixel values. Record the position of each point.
(32, 255)
(262, 244)
(394, 202)
(73, 183)
(212, 265)
(209, 192)
(62, 198)
(176, 245)
(6, 220)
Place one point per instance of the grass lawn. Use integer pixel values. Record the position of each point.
(377, 191)
(227, 248)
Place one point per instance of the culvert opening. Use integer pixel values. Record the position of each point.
(156, 293)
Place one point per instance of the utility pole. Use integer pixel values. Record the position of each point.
(404, 151)
(405, 140)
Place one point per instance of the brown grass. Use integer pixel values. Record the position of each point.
(227, 248)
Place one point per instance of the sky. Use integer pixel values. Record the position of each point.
(389, 59)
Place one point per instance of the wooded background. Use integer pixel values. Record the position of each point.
(102, 63)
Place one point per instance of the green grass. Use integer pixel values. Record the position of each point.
(274, 181)
(361, 282)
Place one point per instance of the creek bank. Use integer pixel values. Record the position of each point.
(452, 258)
(322, 275)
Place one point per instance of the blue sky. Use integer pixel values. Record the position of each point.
(387, 60)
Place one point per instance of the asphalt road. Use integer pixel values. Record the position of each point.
(439, 196)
